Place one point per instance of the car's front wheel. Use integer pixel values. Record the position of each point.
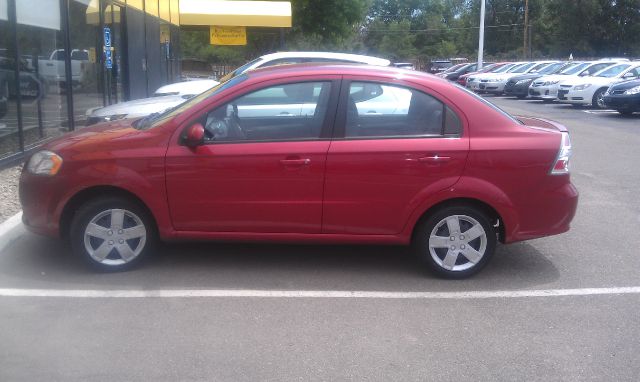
(598, 99)
(455, 242)
(112, 234)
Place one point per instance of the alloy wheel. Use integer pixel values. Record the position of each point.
(457, 243)
(115, 237)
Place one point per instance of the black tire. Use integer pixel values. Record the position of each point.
(596, 96)
(424, 230)
(134, 215)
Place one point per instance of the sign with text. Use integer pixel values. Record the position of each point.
(228, 35)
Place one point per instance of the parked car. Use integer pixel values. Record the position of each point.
(164, 98)
(518, 86)
(282, 58)
(31, 86)
(590, 90)
(439, 66)
(462, 80)
(52, 68)
(464, 69)
(473, 81)
(546, 87)
(451, 175)
(623, 97)
(404, 65)
(494, 82)
(187, 89)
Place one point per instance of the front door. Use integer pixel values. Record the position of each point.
(394, 145)
(262, 166)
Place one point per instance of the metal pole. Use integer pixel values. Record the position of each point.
(481, 37)
(526, 22)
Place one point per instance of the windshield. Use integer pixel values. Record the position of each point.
(552, 68)
(239, 70)
(574, 69)
(157, 119)
(503, 69)
(612, 71)
(523, 68)
(515, 67)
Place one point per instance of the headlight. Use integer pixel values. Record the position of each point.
(550, 83)
(44, 163)
(581, 86)
(114, 117)
(634, 90)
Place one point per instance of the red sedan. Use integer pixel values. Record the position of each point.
(316, 154)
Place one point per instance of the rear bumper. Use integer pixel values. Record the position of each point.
(549, 214)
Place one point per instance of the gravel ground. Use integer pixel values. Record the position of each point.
(9, 204)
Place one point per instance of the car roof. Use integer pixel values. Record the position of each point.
(369, 60)
(389, 72)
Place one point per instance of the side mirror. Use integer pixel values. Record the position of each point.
(194, 136)
(586, 73)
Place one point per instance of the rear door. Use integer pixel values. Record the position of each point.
(381, 165)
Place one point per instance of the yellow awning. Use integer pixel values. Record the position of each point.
(236, 13)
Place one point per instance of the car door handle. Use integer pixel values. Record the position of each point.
(434, 159)
(295, 162)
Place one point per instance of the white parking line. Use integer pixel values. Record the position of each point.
(256, 293)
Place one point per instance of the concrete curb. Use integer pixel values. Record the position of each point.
(10, 230)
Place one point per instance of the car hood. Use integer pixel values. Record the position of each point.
(107, 140)
(139, 107)
(520, 77)
(599, 81)
(626, 85)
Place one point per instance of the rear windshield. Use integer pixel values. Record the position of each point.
(488, 103)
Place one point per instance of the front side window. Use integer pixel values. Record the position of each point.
(377, 110)
(281, 112)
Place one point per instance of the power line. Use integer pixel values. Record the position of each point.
(442, 29)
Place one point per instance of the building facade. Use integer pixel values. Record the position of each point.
(61, 58)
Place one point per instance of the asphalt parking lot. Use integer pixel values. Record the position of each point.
(285, 312)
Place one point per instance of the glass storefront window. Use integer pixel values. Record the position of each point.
(9, 139)
(84, 34)
(42, 70)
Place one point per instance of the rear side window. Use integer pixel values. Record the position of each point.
(380, 110)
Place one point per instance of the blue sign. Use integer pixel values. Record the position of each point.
(108, 61)
(107, 37)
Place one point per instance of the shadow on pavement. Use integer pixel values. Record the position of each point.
(38, 262)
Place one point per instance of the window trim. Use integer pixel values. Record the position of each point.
(326, 131)
(340, 126)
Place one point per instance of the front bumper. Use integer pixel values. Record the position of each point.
(575, 96)
(517, 89)
(549, 92)
(623, 102)
(489, 87)
(39, 196)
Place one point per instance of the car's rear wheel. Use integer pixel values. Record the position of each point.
(598, 99)
(455, 242)
(112, 234)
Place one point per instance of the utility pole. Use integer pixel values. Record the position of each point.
(526, 24)
(481, 36)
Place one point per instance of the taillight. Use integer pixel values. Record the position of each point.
(561, 165)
